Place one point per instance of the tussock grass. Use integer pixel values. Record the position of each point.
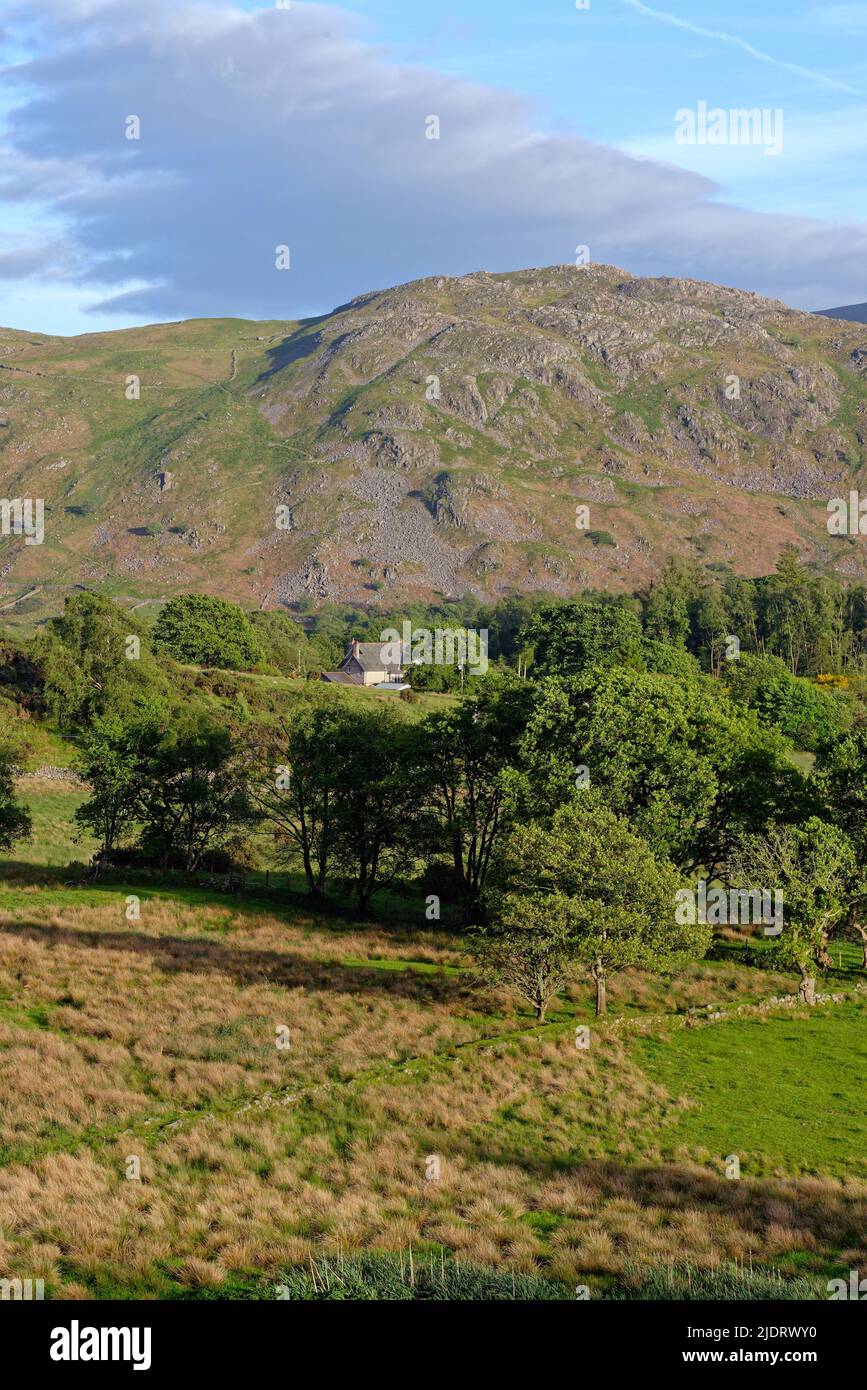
(156, 1040)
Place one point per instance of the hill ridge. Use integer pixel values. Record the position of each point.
(435, 438)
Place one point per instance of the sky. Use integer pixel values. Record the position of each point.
(557, 126)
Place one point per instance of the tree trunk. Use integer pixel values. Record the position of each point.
(860, 930)
(364, 892)
(807, 990)
(601, 994)
(312, 885)
(540, 1010)
(472, 912)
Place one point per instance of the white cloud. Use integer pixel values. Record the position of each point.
(282, 126)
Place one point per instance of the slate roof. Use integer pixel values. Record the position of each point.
(339, 678)
(369, 656)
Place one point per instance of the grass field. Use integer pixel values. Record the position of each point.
(290, 687)
(155, 1140)
(787, 1063)
(56, 839)
(156, 1041)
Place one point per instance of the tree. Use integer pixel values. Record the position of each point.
(207, 631)
(22, 674)
(666, 659)
(649, 744)
(757, 785)
(284, 642)
(15, 821)
(668, 606)
(711, 625)
(298, 780)
(813, 866)
(97, 660)
(528, 948)
(672, 754)
(800, 709)
(379, 824)
(840, 779)
(113, 759)
(801, 616)
(467, 750)
(194, 790)
(567, 637)
(447, 674)
(599, 888)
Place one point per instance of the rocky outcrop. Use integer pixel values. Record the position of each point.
(440, 437)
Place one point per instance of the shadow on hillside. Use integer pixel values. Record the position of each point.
(818, 1207)
(286, 899)
(301, 343)
(20, 873)
(815, 1207)
(245, 965)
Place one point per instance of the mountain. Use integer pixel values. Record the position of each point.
(434, 439)
(856, 313)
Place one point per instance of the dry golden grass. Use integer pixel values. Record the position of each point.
(155, 1041)
(154, 1014)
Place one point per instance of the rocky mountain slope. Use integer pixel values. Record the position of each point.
(440, 437)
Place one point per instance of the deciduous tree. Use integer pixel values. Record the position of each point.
(602, 893)
(813, 865)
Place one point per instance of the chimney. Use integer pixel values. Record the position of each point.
(355, 645)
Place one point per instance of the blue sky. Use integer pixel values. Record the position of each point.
(306, 127)
(617, 72)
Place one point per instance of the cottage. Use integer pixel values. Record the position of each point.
(370, 664)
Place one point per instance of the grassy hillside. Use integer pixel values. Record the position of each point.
(156, 1040)
(432, 440)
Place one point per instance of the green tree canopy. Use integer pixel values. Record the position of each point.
(804, 713)
(840, 783)
(599, 887)
(113, 758)
(193, 792)
(283, 641)
(298, 780)
(813, 865)
(14, 818)
(466, 751)
(208, 631)
(97, 660)
(568, 637)
(665, 752)
(381, 825)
